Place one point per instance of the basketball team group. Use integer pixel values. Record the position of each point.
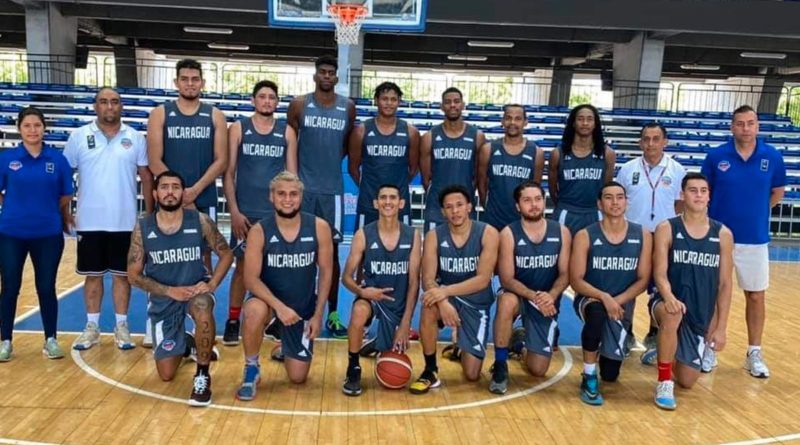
(649, 228)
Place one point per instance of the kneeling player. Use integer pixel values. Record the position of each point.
(693, 262)
(165, 259)
(390, 252)
(458, 262)
(288, 266)
(532, 264)
(609, 266)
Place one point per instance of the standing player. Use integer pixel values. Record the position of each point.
(385, 150)
(390, 253)
(747, 178)
(610, 265)
(458, 262)
(692, 262)
(653, 185)
(579, 168)
(259, 147)
(532, 264)
(107, 155)
(323, 121)
(165, 260)
(287, 270)
(505, 163)
(448, 156)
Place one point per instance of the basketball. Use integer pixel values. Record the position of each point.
(393, 370)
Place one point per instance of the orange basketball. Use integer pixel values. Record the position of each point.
(393, 370)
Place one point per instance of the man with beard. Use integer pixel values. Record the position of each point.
(532, 264)
(107, 155)
(259, 147)
(385, 150)
(165, 260)
(288, 270)
(505, 163)
(609, 266)
(390, 254)
(323, 121)
(448, 156)
(457, 266)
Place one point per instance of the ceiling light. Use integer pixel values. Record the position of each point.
(756, 55)
(230, 46)
(489, 44)
(460, 57)
(204, 30)
(698, 67)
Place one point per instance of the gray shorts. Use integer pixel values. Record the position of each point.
(168, 323)
(691, 344)
(474, 330)
(328, 207)
(540, 331)
(576, 220)
(294, 342)
(238, 246)
(615, 332)
(388, 321)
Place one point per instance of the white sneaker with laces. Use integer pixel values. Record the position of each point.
(122, 336)
(756, 365)
(88, 338)
(709, 360)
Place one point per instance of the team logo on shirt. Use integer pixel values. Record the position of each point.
(15, 165)
(126, 143)
(90, 141)
(764, 165)
(667, 181)
(724, 166)
(635, 178)
(50, 167)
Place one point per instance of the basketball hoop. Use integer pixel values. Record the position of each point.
(348, 18)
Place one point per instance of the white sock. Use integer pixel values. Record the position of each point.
(93, 318)
(121, 318)
(751, 348)
(590, 368)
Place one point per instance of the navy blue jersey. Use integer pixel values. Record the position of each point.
(189, 147)
(453, 163)
(579, 181)
(261, 157)
(506, 172)
(384, 160)
(536, 264)
(388, 268)
(458, 264)
(612, 267)
(320, 145)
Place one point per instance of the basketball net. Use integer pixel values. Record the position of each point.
(348, 19)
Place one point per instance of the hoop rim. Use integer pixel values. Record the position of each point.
(348, 12)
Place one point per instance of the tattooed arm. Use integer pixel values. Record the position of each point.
(136, 272)
(219, 246)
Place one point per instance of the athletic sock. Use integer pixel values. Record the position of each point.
(590, 368)
(93, 318)
(501, 354)
(752, 348)
(251, 360)
(234, 313)
(664, 371)
(352, 361)
(121, 318)
(202, 369)
(430, 363)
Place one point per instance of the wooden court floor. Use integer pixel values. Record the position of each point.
(106, 396)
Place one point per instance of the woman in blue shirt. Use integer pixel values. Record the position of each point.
(36, 187)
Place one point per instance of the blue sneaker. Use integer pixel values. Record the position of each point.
(252, 376)
(649, 357)
(335, 327)
(665, 398)
(590, 390)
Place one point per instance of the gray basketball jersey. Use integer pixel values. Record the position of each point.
(261, 157)
(388, 268)
(173, 260)
(579, 181)
(536, 264)
(320, 145)
(506, 172)
(384, 160)
(453, 163)
(289, 268)
(189, 147)
(458, 264)
(612, 267)
(693, 272)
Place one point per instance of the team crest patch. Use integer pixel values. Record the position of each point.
(50, 167)
(764, 165)
(667, 181)
(168, 345)
(15, 165)
(126, 143)
(90, 142)
(635, 178)
(724, 166)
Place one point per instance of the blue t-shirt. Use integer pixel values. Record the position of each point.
(32, 188)
(740, 190)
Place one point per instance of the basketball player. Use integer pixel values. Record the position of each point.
(323, 121)
(692, 266)
(287, 270)
(458, 262)
(448, 155)
(390, 253)
(505, 163)
(385, 150)
(609, 266)
(165, 260)
(532, 264)
(107, 155)
(259, 147)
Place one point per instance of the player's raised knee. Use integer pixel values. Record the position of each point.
(203, 302)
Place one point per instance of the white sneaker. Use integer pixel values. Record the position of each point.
(88, 338)
(709, 360)
(122, 336)
(665, 395)
(756, 365)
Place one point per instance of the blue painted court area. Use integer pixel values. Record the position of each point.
(72, 316)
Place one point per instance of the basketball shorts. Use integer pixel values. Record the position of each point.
(328, 207)
(388, 321)
(295, 344)
(751, 262)
(576, 220)
(614, 333)
(691, 343)
(167, 319)
(238, 246)
(540, 331)
(474, 330)
(101, 252)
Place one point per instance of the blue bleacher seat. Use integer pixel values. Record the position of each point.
(361, 102)
(474, 107)
(224, 106)
(419, 104)
(245, 107)
(493, 107)
(135, 113)
(82, 111)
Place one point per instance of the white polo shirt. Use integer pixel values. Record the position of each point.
(107, 171)
(652, 192)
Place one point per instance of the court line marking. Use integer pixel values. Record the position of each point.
(773, 439)
(22, 442)
(24, 316)
(565, 368)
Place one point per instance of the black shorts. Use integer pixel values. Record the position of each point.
(101, 252)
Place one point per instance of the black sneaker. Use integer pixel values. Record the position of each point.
(368, 348)
(272, 330)
(201, 391)
(231, 335)
(352, 382)
(499, 383)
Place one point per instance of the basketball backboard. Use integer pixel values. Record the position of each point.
(382, 16)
